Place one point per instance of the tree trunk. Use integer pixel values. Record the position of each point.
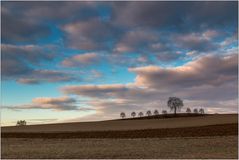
(175, 109)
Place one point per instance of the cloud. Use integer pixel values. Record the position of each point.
(57, 104)
(80, 60)
(95, 90)
(62, 10)
(25, 22)
(188, 16)
(136, 40)
(31, 53)
(118, 94)
(19, 29)
(197, 41)
(21, 63)
(166, 46)
(12, 68)
(167, 56)
(209, 70)
(50, 76)
(147, 43)
(89, 35)
(18, 60)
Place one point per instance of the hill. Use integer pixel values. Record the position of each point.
(128, 124)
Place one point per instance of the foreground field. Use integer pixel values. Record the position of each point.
(196, 147)
(120, 125)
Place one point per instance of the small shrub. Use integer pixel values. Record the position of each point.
(188, 110)
(195, 111)
(21, 123)
(122, 115)
(149, 113)
(156, 112)
(141, 114)
(133, 114)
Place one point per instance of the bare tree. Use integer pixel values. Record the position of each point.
(21, 123)
(122, 115)
(188, 110)
(164, 112)
(201, 110)
(141, 114)
(133, 114)
(156, 112)
(195, 110)
(149, 113)
(175, 104)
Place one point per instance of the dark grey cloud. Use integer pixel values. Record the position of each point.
(150, 44)
(175, 15)
(57, 12)
(201, 42)
(18, 60)
(11, 68)
(137, 40)
(23, 63)
(15, 28)
(168, 27)
(30, 21)
(93, 34)
(136, 14)
(168, 56)
(166, 45)
(30, 53)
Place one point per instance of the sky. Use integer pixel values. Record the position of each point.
(90, 61)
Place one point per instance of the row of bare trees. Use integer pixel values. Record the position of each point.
(173, 103)
(156, 112)
(141, 114)
(195, 110)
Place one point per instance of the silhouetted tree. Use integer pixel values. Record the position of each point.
(201, 110)
(21, 123)
(122, 115)
(156, 112)
(164, 112)
(133, 114)
(141, 114)
(175, 104)
(195, 110)
(149, 113)
(188, 110)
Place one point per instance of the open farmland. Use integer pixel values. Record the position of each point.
(196, 147)
(137, 124)
(210, 136)
(212, 130)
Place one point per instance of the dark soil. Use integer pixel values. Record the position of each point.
(212, 130)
